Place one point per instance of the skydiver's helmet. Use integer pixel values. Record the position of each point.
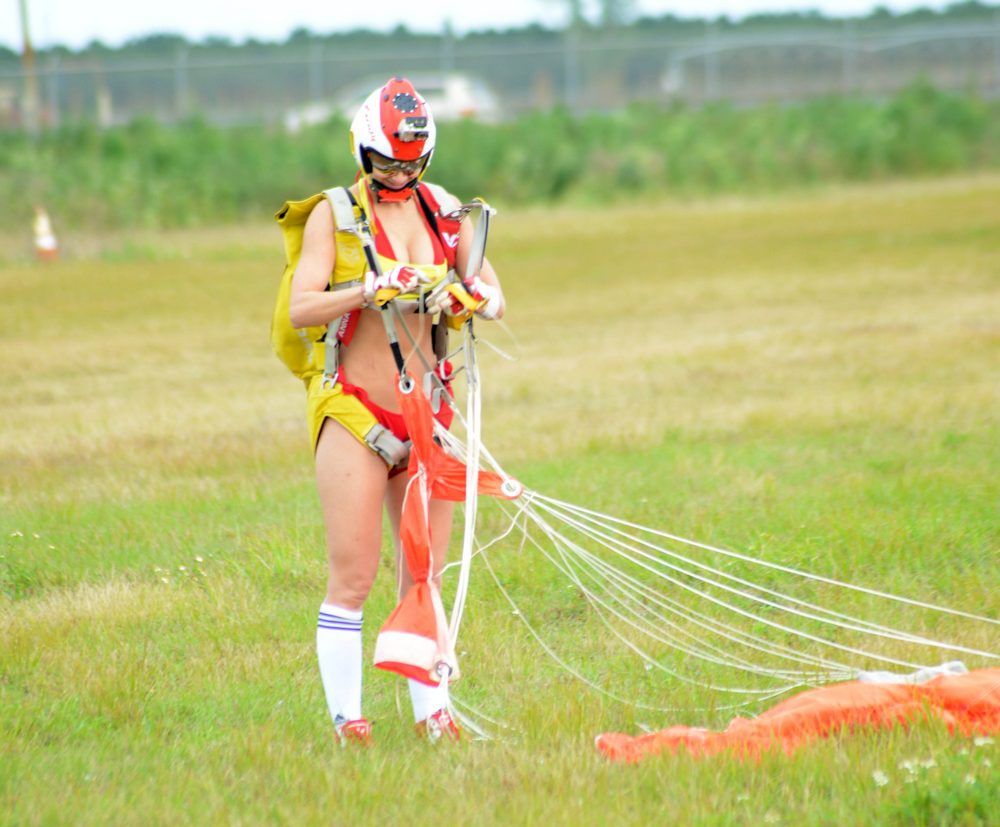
(395, 122)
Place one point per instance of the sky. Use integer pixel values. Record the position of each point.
(75, 23)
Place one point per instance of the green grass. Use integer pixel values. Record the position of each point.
(809, 378)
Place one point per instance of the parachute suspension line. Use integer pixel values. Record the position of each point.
(525, 501)
(756, 617)
(586, 681)
(669, 553)
(776, 566)
(473, 425)
(598, 604)
(479, 714)
(639, 590)
(503, 354)
(658, 598)
(721, 629)
(863, 626)
(469, 717)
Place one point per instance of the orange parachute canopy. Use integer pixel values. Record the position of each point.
(968, 704)
(414, 641)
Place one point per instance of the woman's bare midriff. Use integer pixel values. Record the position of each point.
(368, 361)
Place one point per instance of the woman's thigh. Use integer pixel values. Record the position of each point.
(352, 483)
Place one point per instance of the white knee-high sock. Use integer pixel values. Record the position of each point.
(338, 648)
(427, 699)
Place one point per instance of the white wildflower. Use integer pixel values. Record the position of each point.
(909, 765)
(880, 778)
(182, 568)
(37, 536)
(982, 740)
(928, 763)
(987, 762)
(17, 534)
(164, 579)
(199, 559)
(970, 779)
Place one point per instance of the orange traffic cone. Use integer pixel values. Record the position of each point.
(46, 245)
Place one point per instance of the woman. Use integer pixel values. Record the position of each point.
(393, 138)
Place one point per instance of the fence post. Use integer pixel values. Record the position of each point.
(996, 52)
(181, 83)
(53, 92)
(849, 54)
(571, 65)
(711, 63)
(29, 89)
(447, 48)
(316, 70)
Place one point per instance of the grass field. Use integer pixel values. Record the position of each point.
(813, 378)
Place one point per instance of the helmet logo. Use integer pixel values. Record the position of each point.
(405, 102)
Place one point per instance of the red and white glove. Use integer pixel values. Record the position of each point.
(488, 296)
(403, 278)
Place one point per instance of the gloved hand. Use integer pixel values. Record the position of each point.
(486, 298)
(402, 279)
(489, 296)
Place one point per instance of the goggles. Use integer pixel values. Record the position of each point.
(389, 165)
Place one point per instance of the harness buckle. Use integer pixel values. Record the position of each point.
(432, 390)
(387, 445)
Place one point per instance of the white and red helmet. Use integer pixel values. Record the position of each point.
(396, 122)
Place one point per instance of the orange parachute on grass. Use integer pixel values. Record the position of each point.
(969, 704)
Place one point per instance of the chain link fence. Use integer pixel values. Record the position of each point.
(504, 75)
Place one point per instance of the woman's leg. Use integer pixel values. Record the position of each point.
(351, 482)
(426, 699)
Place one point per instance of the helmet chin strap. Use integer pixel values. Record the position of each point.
(389, 195)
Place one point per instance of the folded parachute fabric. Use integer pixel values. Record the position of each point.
(967, 703)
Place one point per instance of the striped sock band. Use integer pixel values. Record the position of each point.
(338, 619)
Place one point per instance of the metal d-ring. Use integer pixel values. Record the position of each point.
(511, 488)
